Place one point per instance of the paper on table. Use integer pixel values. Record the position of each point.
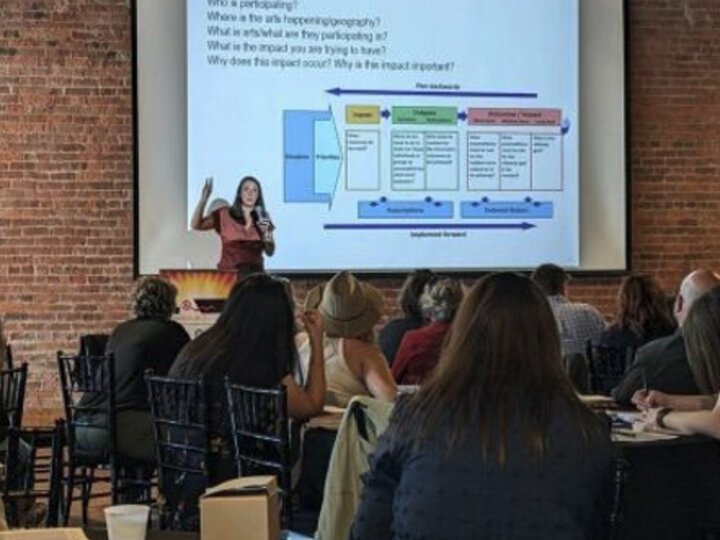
(629, 435)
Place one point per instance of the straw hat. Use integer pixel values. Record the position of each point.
(350, 307)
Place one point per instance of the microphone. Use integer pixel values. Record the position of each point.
(260, 211)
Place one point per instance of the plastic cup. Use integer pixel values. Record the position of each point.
(127, 521)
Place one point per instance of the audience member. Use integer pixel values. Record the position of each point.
(496, 444)
(149, 341)
(409, 300)
(662, 364)
(699, 413)
(420, 349)
(641, 316)
(578, 323)
(252, 343)
(354, 365)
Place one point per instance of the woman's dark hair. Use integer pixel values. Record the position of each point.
(236, 208)
(642, 308)
(500, 370)
(154, 298)
(411, 290)
(701, 331)
(256, 325)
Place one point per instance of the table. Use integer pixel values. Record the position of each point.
(94, 533)
(672, 489)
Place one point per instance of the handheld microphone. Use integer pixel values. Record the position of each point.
(260, 211)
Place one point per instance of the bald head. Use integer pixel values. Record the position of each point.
(692, 287)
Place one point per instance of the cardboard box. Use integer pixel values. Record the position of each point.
(243, 509)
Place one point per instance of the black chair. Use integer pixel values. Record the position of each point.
(33, 472)
(181, 421)
(620, 473)
(88, 391)
(607, 366)
(93, 344)
(12, 397)
(260, 436)
(9, 363)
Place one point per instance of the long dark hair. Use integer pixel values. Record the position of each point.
(701, 332)
(256, 325)
(642, 308)
(236, 208)
(500, 370)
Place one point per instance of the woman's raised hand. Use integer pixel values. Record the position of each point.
(207, 188)
(314, 325)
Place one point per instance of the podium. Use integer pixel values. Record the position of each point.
(201, 296)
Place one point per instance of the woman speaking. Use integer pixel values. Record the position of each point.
(245, 227)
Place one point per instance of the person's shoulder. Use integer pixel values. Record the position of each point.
(657, 346)
(363, 350)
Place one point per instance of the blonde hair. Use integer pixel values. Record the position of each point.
(441, 299)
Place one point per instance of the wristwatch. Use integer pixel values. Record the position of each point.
(660, 418)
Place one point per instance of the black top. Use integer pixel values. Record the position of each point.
(431, 493)
(138, 345)
(623, 338)
(202, 358)
(662, 365)
(392, 334)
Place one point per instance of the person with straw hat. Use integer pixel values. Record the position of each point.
(354, 365)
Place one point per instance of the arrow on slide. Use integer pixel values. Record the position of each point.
(405, 226)
(385, 114)
(347, 91)
(462, 116)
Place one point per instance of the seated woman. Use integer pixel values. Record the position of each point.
(700, 413)
(149, 341)
(420, 349)
(642, 314)
(409, 302)
(353, 363)
(496, 444)
(252, 344)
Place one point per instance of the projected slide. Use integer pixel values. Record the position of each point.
(392, 135)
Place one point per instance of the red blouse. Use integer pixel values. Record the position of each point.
(419, 353)
(241, 245)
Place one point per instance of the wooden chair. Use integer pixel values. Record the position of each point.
(181, 421)
(260, 436)
(607, 366)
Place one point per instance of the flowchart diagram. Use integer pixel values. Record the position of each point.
(505, 150)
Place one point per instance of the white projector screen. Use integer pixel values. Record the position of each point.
(387, 136)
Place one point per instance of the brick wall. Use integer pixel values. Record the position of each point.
(66, 165)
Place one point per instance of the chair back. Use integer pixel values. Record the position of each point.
(180, 412)
(607, 366)
(9, 362)
(12, 396)
(260, 435)
(88, 392)
(615, 520)
(34, 468)
(93, 344)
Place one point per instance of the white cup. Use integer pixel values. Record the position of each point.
(127, 521)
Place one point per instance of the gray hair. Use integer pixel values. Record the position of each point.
(441, 300)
